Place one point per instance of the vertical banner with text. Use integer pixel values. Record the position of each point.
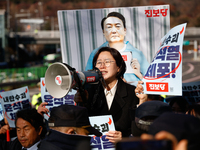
(14, 100)
(164, 75)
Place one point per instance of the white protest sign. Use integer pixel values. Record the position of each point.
(14, 100)
(103, 124)
(191, 91)
(164, 75)
(52, 102)
(127, 56)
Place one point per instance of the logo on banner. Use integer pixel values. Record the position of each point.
(156, 12)
(90, 79)
(156, 86)
(58, 80)
(124, 57)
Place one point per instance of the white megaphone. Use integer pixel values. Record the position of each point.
(60, 78)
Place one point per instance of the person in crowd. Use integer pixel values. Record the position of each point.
(112, 136)
(164, 135)
(181, 126)
(116, 97)
(30, 130)
(69, 126)
(37, 99)
(4, 127)
(114, 30)
(194, 110)
(154, 97)
(145, 114)
(178, 103)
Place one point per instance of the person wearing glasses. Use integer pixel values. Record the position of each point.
(114, 30)
(116, 97)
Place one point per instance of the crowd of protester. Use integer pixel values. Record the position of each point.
(135, 115)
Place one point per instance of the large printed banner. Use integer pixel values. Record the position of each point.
(52, 102)
(14, 100)
(191, 91)
(81, 32)
(164, 75)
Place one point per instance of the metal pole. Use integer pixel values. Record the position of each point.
(195, 49)
(8, 15)
(52, 26)
(41, 9)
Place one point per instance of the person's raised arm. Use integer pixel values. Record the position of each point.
(139, 91)
(42, 109)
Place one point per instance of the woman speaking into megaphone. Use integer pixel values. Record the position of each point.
(116, 97)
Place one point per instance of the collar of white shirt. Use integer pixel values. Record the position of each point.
(110, 94)
(33, 147)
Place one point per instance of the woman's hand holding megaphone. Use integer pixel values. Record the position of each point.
(77, 96)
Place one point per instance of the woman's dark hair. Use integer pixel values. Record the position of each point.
(114, 14)
(181, 102)
(33, 117)
(116, 55)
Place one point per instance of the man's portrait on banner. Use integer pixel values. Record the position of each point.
(130, 30)
(114, 30)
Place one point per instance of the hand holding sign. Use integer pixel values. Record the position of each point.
(139, 91)
(113, 136)
(136, 67)
(165, 72)
(42, 109)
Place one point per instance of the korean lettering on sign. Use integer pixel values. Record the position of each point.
(192, 93)
(102, 128)
(157, 70)
(68, 99)
(101, 143)
(103, 124)
(16, 105)
(156, 12)
(165, 64)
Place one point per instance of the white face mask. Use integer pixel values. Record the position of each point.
(114, 30)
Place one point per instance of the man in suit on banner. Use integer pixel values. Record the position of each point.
(114, 30)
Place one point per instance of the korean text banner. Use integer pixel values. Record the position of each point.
(53, 102)
(81, 32)
(14, 100)
(164, 75)
(191, 91)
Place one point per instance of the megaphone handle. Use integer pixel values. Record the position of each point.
(81, 89)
